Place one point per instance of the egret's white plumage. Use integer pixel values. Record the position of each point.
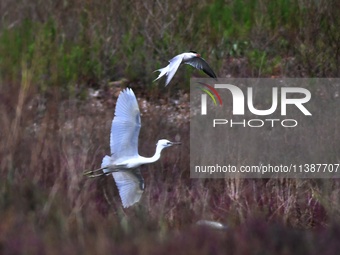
(130, 183)
(125, 160)
(191, 58)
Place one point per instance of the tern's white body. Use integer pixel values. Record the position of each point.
(191, 58)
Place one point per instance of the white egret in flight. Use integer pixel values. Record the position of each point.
(125, 161)
(191, 58)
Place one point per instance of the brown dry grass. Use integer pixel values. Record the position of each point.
(47, 206)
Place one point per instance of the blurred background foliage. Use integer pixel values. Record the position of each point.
(74, 44)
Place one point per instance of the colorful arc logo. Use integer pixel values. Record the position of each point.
(211, 91)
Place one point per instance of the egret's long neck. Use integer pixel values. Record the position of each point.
(155, 157)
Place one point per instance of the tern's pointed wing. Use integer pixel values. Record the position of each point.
(125, 126)
(130, 184)
(201, 64)
(174, 63)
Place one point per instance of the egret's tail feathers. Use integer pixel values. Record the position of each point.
(105, 163)
(106, 168)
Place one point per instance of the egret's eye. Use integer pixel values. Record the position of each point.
(168, 143)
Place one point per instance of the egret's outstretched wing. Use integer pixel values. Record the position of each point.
(201, 64)
(174, 63)
(125, 126)
(130, 184)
